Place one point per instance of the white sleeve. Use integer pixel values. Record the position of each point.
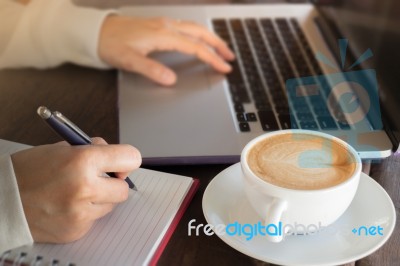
(14, 229)
(47, 33)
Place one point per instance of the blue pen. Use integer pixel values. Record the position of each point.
(70, 132)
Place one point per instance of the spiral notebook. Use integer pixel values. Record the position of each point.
(134, 233)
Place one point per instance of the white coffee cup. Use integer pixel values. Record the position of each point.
(288, 206)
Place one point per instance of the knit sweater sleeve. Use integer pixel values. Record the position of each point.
(14, 229)
(47, 33)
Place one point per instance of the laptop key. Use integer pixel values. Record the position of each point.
(302, 109)
(219, 22)
(268, 120)
(308, 125)
(244, 127)
(281, 103)
(238, 87)
(327, 122)
(260, 97)
(241, 117)
(284, 110)
(239, 107)
(264, 106)
(251, 117)
(258, 90)
(240, 98)
(287, 122)
(305, 117)
(344, 125)
(321, 110)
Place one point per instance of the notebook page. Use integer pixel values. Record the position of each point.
(130, 234)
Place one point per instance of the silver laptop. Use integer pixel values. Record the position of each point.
(208, 117)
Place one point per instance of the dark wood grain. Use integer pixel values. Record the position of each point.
(89, 98)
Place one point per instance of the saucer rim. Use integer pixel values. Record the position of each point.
(349, 259)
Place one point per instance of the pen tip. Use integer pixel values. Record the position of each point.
(130, 183)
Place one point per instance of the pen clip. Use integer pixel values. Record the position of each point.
(71, 125)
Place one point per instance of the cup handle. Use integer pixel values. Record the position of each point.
(277, 207)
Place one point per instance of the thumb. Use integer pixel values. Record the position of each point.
(151, 69)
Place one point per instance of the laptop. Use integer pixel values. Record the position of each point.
(294, 64)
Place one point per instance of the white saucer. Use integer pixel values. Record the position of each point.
(224, 203)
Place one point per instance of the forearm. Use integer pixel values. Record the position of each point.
(46, 33)
(14, 230)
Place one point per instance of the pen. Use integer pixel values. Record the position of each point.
(70, 132)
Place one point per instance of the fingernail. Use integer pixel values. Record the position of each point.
(168, 77)
(227, 66)
(231, 55)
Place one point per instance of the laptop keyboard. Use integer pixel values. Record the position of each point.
(269, 52)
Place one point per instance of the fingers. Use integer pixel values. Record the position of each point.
(99, 141)
(150, 69)
(61, 143)
(193, 39)
(195, 30)
(174, 41)
(95, 141)
(126, 43)
(123, 151)
(110, 190)
(72, 224)
(119, 159)
(101, 210)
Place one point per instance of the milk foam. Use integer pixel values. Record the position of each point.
(301, 161)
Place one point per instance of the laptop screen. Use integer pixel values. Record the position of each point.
(373, 24)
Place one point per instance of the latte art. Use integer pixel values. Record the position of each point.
(301, 161)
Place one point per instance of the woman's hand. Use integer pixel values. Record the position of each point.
(63, 188)
(125, 43)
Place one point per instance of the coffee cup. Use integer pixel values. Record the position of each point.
(299, 180)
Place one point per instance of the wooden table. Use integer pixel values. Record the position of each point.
(89, 97)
